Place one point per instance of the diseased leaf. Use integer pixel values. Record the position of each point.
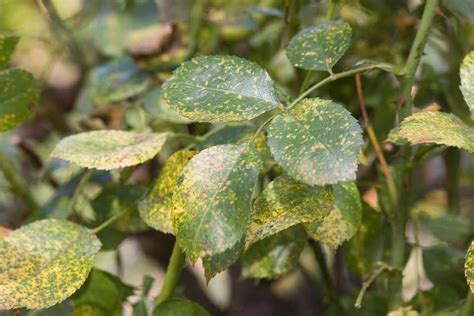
(7, 46)
(18, 89)
(156, 209)
(469, 267)
(274, 256)
(117, 80)
(434, 128)
(321, 46)
(109, 149)
(212, 200)
(467, 79)
(43, 263)
(103, 291)
(317, 142)
(156, 106)
(179, 307)
(219, 262)
(220, 88)
(285, 203)
(342, 221)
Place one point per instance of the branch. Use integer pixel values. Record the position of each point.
(173, 272)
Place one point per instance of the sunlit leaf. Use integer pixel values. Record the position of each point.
(109, 149)
(317, 142)
(7, 46)
(18, 89)
(467, 79)
(321, 46)
(43, 263)
(179, 307)
(212, 200)
(469, 267)
(285, 203)
(434, 128)
(220, 88)
(342, 221)
(156, 209)
(274, 256)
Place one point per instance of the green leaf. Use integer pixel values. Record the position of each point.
(469, 267)
(157, 107)
(317, 142)
(109, 149)
(342, 221)
(220, 88)
(43, 263)
(321, 46)
(157, 208)
(18, 89)
(462, 8)
(434, 128)
(467, 80)
(285, 203)
(212, 200)
(232, 133)
(221, 261)
(103, 291)
(7, 46)
(179, 307)
(274, 256)
(117, 80)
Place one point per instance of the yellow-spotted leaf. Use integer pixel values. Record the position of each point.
(434, 128)
(321, 46)
(212, 199)
(285, 203)
(317, 142)
(467, 80)
(469, 267)
(221, 261)
(7, 46)
(44, 263)
(342, 221)
(220, 88)
(156, 209)
(109, 149)
(274, 256)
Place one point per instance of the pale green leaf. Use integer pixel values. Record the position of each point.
(274, 256)
(342, 221)
(469, 267)
(117, 80)
(7, 46)
(467, 80)
(44, 263)
(317, 142)
(462, 8)
(285, 203)
(179, 307)
(157, 107)
(18, 89)
(220, 88)
(321, 46)
(157, 208)
(212, 200)
(109, 149)
(434, 128)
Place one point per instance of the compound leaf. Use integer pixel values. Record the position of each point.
(212, 199)
(179, 307)
(109, 149)
(7, 46)
(317, 142)
(321, 46)
(285, 203)
(274, 256)
(45, 262)
(469, 267)
(343, 220)
(156, 209)
(467, 80)
(434, 128)
(18, 89)
(220, 88)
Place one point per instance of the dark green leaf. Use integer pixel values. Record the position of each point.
(321, 46)
(7, 46)
(221, 261)
(220, 88)
(317, 142)
(232, 133)
(212, 200)
(179, 307)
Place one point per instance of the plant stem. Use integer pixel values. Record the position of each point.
(17, 186)
(365, 286)
(331, 9)
(172, 274)
(111, 220)
(468, 307)
(452, 161)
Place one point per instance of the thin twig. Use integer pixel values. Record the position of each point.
(365, 286)
(111, 220)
